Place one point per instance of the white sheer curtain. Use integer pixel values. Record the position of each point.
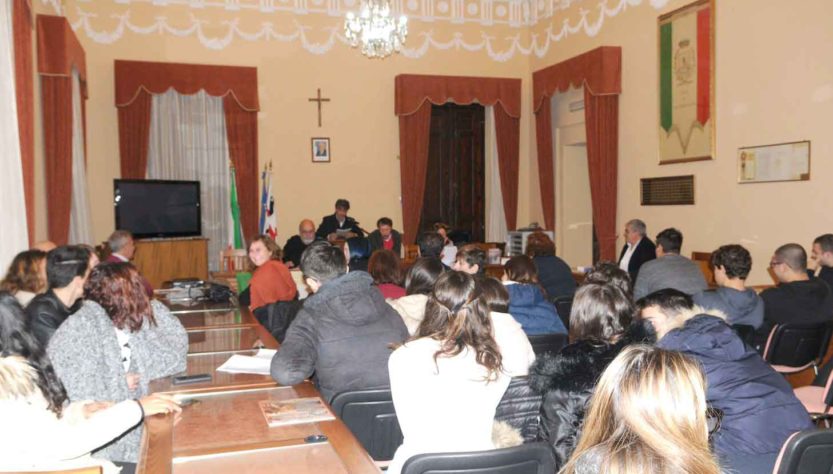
(13, 234)
(80, 227)
(188, 142)
(495, 215)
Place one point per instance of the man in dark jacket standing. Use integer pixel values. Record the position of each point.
(638, 248)
(66, 271)
(342, 333)
(385, 237)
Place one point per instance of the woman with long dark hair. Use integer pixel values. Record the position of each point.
(118, 342)
(419, 283)
(447, 380)
(48, 432)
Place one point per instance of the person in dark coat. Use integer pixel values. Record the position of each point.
(296, 244)
(600, 327)
(67, 268)
(554, 275)
(343, 332)
(527, 303)
(385, 237)
(339, 225)
(760, 410)
(638, 248)
(822, 254)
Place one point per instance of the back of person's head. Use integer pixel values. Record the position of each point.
(118, 240)
(521, 269)
(825, 241)
(539, 244)
(665, 309)
(384, 267)
(24, 273)
(423, 274)
(473, 255)
(323, 262)
(457, 317)
(65, 263)
(647, 415)
(600, 312)
(794, 256)
(671, 240)
(342, 204)
(384, 221)
(608, 273)
(494, 294)
(430, 244)
(119, 289)
(734, 259)
(16, 340)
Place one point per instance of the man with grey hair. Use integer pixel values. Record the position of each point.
(638, 248)
(122, 248)
(797, 298)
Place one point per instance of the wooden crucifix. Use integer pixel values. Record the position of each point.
(319, 99)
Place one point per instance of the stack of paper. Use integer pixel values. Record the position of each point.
(256, 364)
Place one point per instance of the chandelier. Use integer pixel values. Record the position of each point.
(378, 33)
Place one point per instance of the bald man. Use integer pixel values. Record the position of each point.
(296, 244)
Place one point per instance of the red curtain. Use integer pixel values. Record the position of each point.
(508, 132)
(25, 89)
(241, 129)
(414, 131)
(599, 71)
(59, 52)
(602, 125)
(134, 136)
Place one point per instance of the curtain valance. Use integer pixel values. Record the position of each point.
(413, 90)
(600, 70)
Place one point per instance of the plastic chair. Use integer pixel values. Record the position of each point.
(543, 343)
(533, 458)
(806, 452)
(818, 400)
(371, 417)
(563, 305)
(793, 347)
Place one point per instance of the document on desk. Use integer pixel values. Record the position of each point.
(256, 364)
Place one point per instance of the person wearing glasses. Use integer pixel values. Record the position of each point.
(296, 244)
(797, 298)
(759, 406)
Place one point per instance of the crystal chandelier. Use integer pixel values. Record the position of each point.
(378, 33)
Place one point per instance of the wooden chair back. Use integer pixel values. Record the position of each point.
(234, 260)
(411, 252)
(703, 260)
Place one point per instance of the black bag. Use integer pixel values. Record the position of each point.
(277, 317)
(218, 293)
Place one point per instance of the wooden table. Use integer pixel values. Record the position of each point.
(180, 307)
(220, 381)
(195, 321)
(229, 340)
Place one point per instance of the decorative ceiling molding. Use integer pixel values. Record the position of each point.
(503, 49)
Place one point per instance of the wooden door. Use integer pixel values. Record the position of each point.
(455, 181)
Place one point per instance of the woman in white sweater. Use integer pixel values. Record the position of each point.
(44, 432)
(448, 379)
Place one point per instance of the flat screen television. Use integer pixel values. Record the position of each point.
(157, 208)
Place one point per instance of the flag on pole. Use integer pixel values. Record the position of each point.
(264, 199)
(269, 224)
(236, 231)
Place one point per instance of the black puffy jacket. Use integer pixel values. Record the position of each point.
(520, 408)
(45, 313)
(567, 381)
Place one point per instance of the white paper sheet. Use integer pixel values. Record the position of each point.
(256, 364)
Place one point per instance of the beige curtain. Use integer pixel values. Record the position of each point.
(80, 224)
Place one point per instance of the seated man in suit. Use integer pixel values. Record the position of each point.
(822, 255)
(67, 269)
(638, 248)
(123, 248)
(669, 269)
(385, 237)
(797, 298)
(339, 225)
(296, 244)
(343, 332)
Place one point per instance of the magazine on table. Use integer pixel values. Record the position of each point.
(295, 411)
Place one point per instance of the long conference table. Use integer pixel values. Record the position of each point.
(221, 428)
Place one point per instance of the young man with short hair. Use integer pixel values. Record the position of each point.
(741, 305)
(385, 237)
(343, 333)
(822, 255)
(471, 259)
(669, 269)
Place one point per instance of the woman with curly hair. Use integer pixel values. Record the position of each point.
(447, 380)
(271, 280)
(113, 346)
(26, 277)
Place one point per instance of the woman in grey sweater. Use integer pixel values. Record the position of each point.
(115, 344)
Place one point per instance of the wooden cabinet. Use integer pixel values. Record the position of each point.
(160, 260)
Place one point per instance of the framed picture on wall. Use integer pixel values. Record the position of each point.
(686, 83)
(321, 150)
(778, 162)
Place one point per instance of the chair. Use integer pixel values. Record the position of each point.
(371, 417)
(532, 458)
(703, 260)
(543, 343)
(793, 347)
(563, 305)
(818, 400)
(806, 452)
(411, 252)
(234, 260)
(520, 408)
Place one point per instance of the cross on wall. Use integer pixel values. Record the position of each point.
(319, 99)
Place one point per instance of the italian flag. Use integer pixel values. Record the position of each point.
(685, 57)
(236, 230)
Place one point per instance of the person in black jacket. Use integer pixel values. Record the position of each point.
(296, 244)
(822, 255)
(638, 248)
(67, 268)
(339, 225)
(344, 331)
(554, 275)
(600, 327)
(385, 237)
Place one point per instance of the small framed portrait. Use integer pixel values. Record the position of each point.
(321, 150)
